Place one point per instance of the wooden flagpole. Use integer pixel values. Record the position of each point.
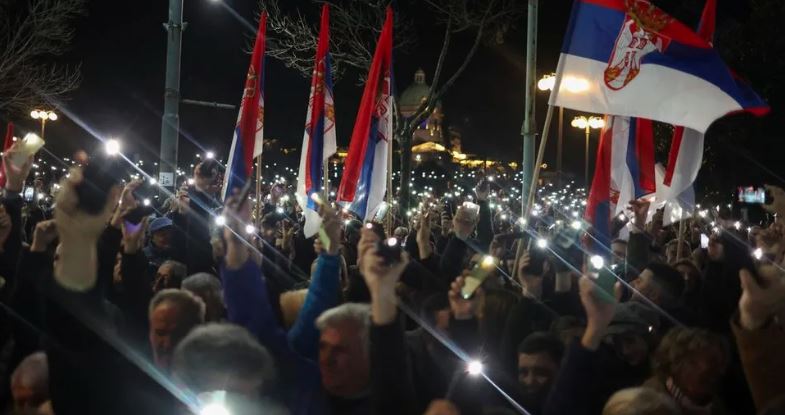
(258, 190)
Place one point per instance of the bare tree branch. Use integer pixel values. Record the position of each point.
(30, 35)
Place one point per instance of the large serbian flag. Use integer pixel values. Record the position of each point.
(249, 131)
(364, 178)
(624, 171)
(319, 137)
(628, 57)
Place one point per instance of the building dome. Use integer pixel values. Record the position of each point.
(413, 96)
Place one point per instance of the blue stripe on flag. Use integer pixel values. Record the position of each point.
(360, 204)
(596, 28)
(236, 170)
(632, 157)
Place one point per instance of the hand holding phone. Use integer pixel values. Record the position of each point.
(479, 272)
(30, 145)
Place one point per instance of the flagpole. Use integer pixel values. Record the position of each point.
(680, 239)
(258, 189)
(389, 187)
(526, 209)
(326, 179)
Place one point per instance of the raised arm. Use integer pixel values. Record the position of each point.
(324, 291)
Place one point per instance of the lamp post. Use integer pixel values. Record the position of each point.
(569, 85)
(587, 124)
(43, 116)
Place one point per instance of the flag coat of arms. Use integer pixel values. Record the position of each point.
(628, 57)
(624, 172)
(319, 138)
(247, 141)
(364, 180)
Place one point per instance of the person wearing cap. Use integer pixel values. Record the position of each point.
(159, 247)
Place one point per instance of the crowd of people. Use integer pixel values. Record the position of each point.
(213, 307)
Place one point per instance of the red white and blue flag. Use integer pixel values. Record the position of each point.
(675, 191)
(364, 180)
(624, 171)
(319, 138)
(248, 136)
(628, 57)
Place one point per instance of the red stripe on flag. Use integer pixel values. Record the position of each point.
(317, 86)
(249, 113)
(678, 134)
(382, 58)
(645, 151)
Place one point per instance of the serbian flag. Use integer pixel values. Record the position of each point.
(628, 57)
(364, 178)
(624, 171)
(7, 143)
(686, 152)
(319, 138)
(249, 131)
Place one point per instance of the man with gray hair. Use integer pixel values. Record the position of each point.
(225, 357)
(172, 313)
(343, 356)
(640, 401)
(207, 287)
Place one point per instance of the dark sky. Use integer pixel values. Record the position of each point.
(122, 47)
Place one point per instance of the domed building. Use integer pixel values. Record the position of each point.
(430, 130)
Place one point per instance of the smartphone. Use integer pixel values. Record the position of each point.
(480, 271)
(604, 277)
(704, 241)
(754, 196)
(473, 208)
(99, 176)
(536, 265)
(30, 145)
(389, 250)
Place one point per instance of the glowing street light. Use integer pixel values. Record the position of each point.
(587, 124)
(43, 116)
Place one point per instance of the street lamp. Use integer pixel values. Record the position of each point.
(569, 84)
(587, 124)
(44, 116)
(546, 83)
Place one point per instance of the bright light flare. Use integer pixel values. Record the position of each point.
(757, 253)
(597, 262)
(542, 243)
(112, 147)
(474, 368)
(250, 229)
(220, 220)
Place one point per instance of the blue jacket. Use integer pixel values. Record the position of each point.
(247, 305)
(323, 294)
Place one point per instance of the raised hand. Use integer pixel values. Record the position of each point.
(461, 308)
(15, 174)
(424, 235)
(44, 234)
(760, 302)
(237, 216)
(639, 210)
(442, 407)
(79, 231)
(531, 283)
(126, 204)
(331, 222)
(381, 279)
(133, 236)
(464, 222)
(599, 313)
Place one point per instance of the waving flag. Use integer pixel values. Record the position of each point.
(319, 137)
(624, 172)
(686, 153)
(249, 131)
(628, 57)
(9, 141)
(364, 178)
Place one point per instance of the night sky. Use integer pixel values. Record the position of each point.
(122, 47)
